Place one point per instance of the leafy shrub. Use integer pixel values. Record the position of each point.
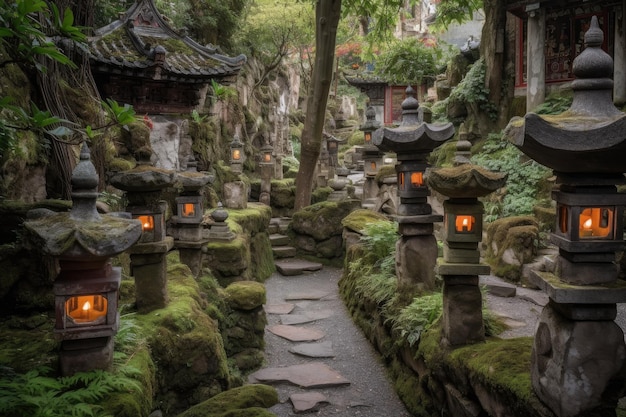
(472, 89)
(35, 395)
(408, 62)
(380, 240)
(524, 182)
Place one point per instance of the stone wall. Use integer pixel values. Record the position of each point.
(484, 379)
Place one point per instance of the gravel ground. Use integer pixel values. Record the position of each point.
(370, 393)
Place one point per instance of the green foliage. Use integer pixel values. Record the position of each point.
(380, 240)
(408, 61)
(35, 395)
(524, 181)
(455, 11)
(555, 104)
(472, 89)
(418, 316)
(222, 92)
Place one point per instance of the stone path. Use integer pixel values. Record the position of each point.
(323, 365)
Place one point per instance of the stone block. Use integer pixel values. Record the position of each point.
(235, 195)
(462, 314)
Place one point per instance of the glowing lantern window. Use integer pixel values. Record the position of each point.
(464, 224)
(373, 166)
(563, 216)
(267, 157)
(86, 308)
(417, 179)
(368, 138)
(236, 154)
(147, 223)
(595, 223)
(189, 210)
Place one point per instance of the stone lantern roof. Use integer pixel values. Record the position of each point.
(139, 57)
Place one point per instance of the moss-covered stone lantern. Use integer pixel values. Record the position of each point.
(86, 289)
(413, 141)
(143, 186)
(237, 156)
(578, 363)
(266, 166)
(463, 230)
(372, 156)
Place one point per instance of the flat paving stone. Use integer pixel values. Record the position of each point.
(291, 267)
(308, 375)
(307, 295)
(284, 252)
(314, 350)
(279, 240)
(305, 317)
(283, 308)
(307, 401)
(296, 334)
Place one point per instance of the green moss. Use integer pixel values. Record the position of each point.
(245, 295)
(358, 219)
(320, 194)
(261, 257)
(24, 348)
(503, 365)
(384, 172)
(246, 401)
(120, 164)
(253, 219)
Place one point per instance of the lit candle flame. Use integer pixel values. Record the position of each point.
(87, 306)
(587, 224)
(465, 222)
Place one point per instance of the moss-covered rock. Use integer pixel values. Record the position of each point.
(511, 243)
(358, 219)
(245, 295)
(247, 401)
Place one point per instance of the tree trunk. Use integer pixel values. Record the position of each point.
(327, 14)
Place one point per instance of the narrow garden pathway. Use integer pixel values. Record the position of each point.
(317, 358)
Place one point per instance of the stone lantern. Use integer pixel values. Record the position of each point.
(186, 224)
(237, 156)
(578, 358)
(266, 166)
(332, 145)
(462, 232)
(86, 289)
(143, 186)
(413, 141)
(372, 156)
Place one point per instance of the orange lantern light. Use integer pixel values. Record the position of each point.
(368, 138)
(189, 210)
(464, 224)
(595, 222)
(83, 309)
(236, 154)
(147, 223)
(417, 179)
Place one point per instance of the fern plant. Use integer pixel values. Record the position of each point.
(379, 238)
(35, 395)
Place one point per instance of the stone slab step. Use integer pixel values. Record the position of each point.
(307, 402)
(284, 252)
(283, 308)
(308, 375)
(295, 333)
(307, 317)
(314, 350)
(277, 239)
(290, 267)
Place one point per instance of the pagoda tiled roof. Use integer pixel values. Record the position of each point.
(142, 44)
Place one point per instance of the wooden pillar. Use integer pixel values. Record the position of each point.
(536, 60)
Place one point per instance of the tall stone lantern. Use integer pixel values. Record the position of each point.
(86, 289)
(266, 166)
(144, 185)
(462, 232)
(372, 156)
(578, 357)
(413, 141)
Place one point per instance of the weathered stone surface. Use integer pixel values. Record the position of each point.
(284, 252)
(235, 195)
(309, 375)
(462, 314)
(279, 240)
(536, 297)
(501, 289)
(465, 181)
(307, 401)
(306, 317)
(416, 258)
(296, 267)
(309, 295)
(574, 362)
(245, 295)
(296, 334)
(330, 248)
(314, 350)
(284, 308)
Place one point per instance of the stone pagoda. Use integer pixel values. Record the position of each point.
(578, 363)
